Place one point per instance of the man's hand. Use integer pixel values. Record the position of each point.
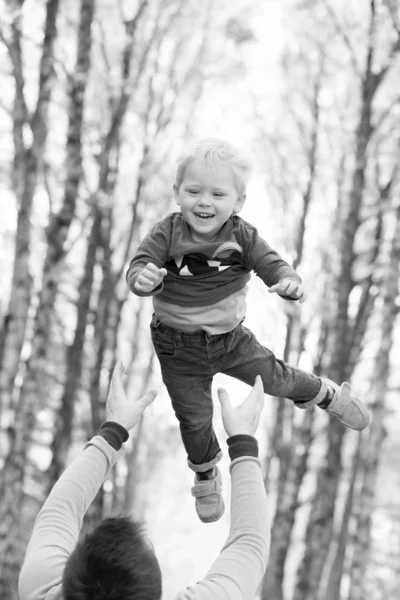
(118, 408)
(289, 287)
(243, 419)
(149, 278)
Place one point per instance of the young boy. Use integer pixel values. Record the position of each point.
(196, 264)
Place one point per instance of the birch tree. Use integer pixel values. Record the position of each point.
(27, 163)
(320, 524)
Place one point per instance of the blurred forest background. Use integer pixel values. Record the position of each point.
(98, 97)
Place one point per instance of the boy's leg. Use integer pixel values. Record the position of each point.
(247, 358)
(192, 403)
(188, 380)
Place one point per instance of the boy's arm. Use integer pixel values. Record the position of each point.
(153, 249)
(237, 572)
(265, 261)
(57, 526)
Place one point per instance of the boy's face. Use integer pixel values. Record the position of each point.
(207, 197)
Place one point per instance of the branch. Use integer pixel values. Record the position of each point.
(393, 14)
(341, 30)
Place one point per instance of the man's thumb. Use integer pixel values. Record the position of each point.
(162, 272)
(223, 397)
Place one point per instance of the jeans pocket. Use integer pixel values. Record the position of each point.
(164, 346)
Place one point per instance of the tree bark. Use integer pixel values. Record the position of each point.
(60, 223)
(63, 426)
(11, 483)
(373, 444)
(291, 445)
(288, 495)
(358, 332)
(27, 162)
(106, 181)
(320, 525)
(336, 569)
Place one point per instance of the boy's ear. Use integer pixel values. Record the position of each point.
(176, 193)
(239, 203)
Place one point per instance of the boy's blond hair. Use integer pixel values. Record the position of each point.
(211, 151)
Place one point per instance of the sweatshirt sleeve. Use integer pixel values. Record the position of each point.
(237, 572)
(57, 526)
(265, 261)
(154, 249)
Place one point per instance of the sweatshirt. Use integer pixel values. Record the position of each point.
(235, 574)
(206, 282)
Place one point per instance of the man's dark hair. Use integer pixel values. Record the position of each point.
(113, 562)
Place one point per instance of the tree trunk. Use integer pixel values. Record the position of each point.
(134, 475)
(63, 431)
(27, 169)
(60, 223)
(63, 427)
(288, 495)
(320, 525)
(336, 569)
(11, 484)
(290, 446)
(373, 444)
(99, 343)
(358, 332)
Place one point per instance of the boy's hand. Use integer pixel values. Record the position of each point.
(149, 278)
(289, 287)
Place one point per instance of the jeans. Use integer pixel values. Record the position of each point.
(189, 360)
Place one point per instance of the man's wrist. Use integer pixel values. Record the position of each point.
(242, 445)
(114, 433)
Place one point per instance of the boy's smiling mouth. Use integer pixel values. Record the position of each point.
(204, 215)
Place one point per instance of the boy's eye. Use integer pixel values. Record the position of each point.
(218, 194)
(193, 191)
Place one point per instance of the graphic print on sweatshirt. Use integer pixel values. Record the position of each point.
(225, 256)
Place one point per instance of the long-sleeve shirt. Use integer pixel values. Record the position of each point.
(206, 282)
(234, 575)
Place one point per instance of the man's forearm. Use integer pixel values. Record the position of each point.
(236, 573)
(57, 526)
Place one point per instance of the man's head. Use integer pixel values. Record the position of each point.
(210, 185)
(113, 562)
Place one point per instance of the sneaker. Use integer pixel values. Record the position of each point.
(209, 502)
(347, 408)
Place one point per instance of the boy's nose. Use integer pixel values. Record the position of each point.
(204, 200)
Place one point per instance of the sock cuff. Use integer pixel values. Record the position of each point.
(114, 434)
(242, 445)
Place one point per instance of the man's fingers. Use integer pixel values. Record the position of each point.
(118, 371)
(119, 368)
(148, 397)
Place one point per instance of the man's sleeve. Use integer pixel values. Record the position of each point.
(237, 572)
(265, 261)
(154, 249)
(57, 525)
